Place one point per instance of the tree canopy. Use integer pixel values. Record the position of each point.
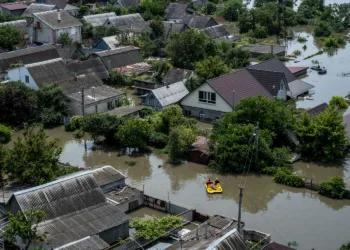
(211, 67)
(134, 133)
(64, 39)
(10, 37)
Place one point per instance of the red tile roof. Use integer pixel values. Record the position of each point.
(242, 83)
(296, 69)
(16, 6)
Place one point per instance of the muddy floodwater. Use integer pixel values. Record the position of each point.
(289, 214)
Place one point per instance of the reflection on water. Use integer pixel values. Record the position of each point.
(288, 213)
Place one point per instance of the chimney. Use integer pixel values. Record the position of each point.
(58, 16)
(272, 49)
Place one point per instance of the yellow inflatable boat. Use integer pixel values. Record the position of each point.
(218, 189)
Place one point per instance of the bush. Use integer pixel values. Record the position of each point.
(339, 102)
(5, 134)
(291, 180)
(260, 32)
(323, 29)
(334, 188)
(302, 39)
(266, 57)
(158, 140)
(297, 52)
(75, 123)
(269, 171)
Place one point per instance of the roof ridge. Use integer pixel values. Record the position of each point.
(225, 74)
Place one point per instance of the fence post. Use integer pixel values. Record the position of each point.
(197, 232)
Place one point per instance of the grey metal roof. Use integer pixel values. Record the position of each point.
(132, 22)
(198, 22)
(89, 66)
(29, 55)
(107, 175)
(89, 243)
(74, 84)
(53, 70)
(75, 207)
(171, 28)
(298, 87)
(61, 4)
(216, 31)
(265, 48)
(120, 57)
(123, 194)
(19, 24)
(176, 75)
(231, 240)
(98, 19)
(96, 94)
(176, 11)
(69, 7)
(170, 94)
(51, 19)
(124, 111)
(36, 8)
(318, 109)
(269, 79)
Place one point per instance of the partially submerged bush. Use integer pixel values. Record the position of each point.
(339, 102)
(334, 188)
(5, 134)
(75, 123)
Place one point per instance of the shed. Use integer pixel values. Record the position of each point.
(36, 8)
(263, 49)
(60, 4)
(176, 75)
(119, 57)
(98, 19)
(108, 178)
(298, 71)
(199, 22)
(163, 97)
(19, 24)
(199, 153)
(318, 109)
(27, 56)
(75, 208)
(92, 65)
(231, 240)
(107, 43)
(127, 111)
(219, 33)
(14, 9)
(298, 87)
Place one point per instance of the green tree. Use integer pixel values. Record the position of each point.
(338, 102)
(18, 103)
(134, 133)
(52, 104)
(323, 29)
(83, 10)
(192, 83)
(345, 246)
(157, 27)
(232, 10)
(33, 159)
(10, 37)
(99, 32)
(334, 188)
(322, 137)
(186, 48)
(237, 58)
(64, 39)
(211, 67)
(173, 117)
(5, 134)
(25, 225)
(180, 140)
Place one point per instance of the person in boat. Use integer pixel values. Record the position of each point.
(212, 185)
(216, 181)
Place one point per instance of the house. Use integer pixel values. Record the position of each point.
(14, 9)
(35, 75)
(318, 109)
(263, 49)
(276, 246)
(162, 98)
(199, 22)
(93, 65)
(87, 94)
(127, 3)
(171, 28)
(298, 71)
(60, 4)
(131, 23)
(219, 33)
(37, 8)
(119, 57)
(107, 43)
(19, 24)
(49, 25)
(176, 12)
(219, 95)
(176, 75)
(71, 9)
(27, 56)
(98, 19)
(108, 178)
(127, 111)
(76, 213)
(199, 152)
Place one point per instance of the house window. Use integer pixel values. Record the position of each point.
(96, 110)
(187, 112)
(38, 25)
(207, 97)
(27, 79)
(73, 31)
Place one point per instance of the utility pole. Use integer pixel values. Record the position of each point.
(256, 132)
(239, 228)
(82, 101)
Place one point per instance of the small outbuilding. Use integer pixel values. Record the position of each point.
(14, 9)
(263, 49)
(199, 152)
(37, 8)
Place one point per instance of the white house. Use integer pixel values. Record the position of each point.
(49, 25)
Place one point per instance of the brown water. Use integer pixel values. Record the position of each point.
(288, 213)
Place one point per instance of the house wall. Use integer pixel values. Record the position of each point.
(114, 234)
(75, 107)
(13, 12)
(19, 74)
(74, 33)
(282, 93)
(102, 45)
(192, 104)
(152, 101)
(44, 34)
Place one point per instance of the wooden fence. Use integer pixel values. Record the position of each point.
(311, 184)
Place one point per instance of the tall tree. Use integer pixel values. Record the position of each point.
(18, 103)
(64, 39)
(180, 140)
(52, 104)
(211, 67)
(10, 37)
(134, 133)
(25, 225)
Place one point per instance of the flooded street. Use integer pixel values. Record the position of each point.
(287, 213)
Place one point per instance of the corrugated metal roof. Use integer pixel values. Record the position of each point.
(132, 22)
(54, 70)
(51, 19)
(72, 85)
(98, 19)
(171, 28)
(298, 87)
(120, 57)
(29, 55)
(107, 175)
(176, 11)
(88, 243)
(265, 48)
(198, 22)
(19, 24)
(170, 94)
(36, 8)
(88, 66)
(216, 31)
(231, 240)
(124, 111)
(176, 75)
